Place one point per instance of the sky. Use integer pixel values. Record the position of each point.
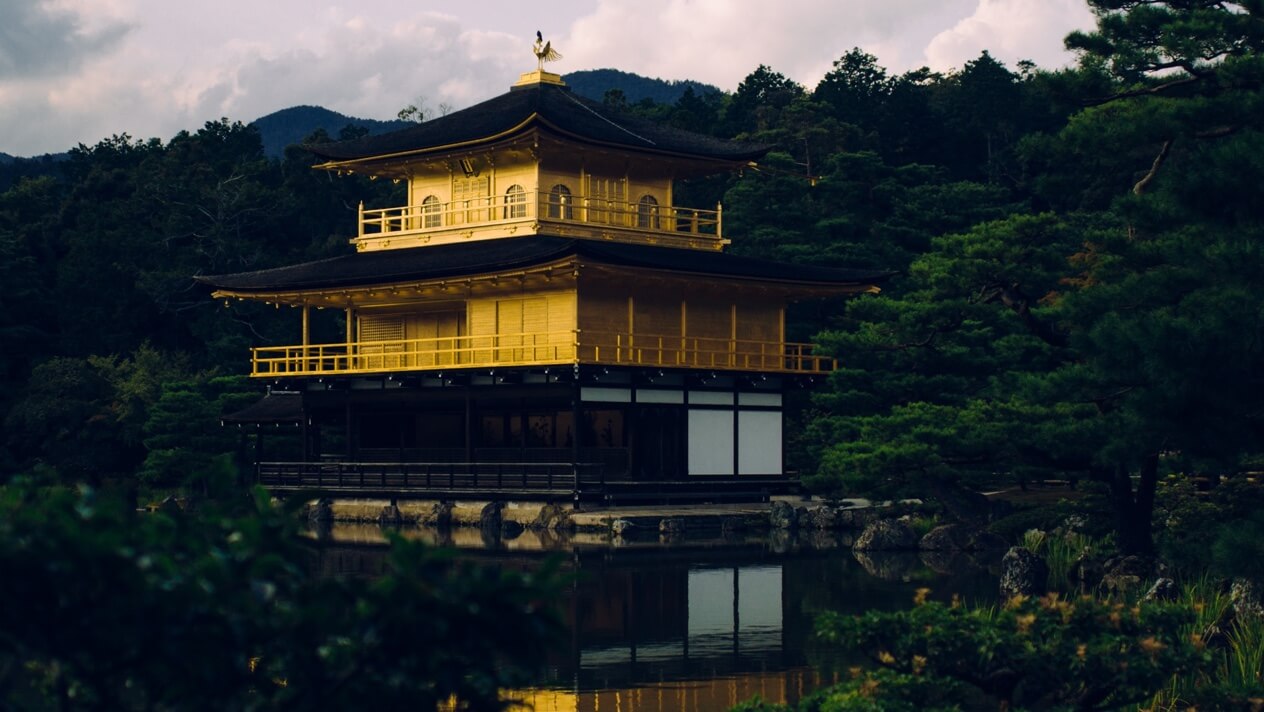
(78, 71)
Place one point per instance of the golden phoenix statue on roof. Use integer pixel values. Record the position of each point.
(544, 50)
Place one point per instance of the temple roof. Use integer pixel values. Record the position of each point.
(489, 256)
(550, 107)
(276, 407)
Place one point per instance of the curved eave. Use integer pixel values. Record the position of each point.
(399, 284)
(523, 127)
(812, 288)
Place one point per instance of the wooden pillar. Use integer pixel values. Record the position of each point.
(306, 435)
(683, 357)
(631, 344)
(576, 413)
(350, 336)
(469, 425)
(350, 447)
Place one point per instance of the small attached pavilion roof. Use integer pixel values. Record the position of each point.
(276, 408)
(385, 267)
(550, 107)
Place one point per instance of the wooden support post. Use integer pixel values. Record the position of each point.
(306, 338)
(469, 425)
(576, 412)
(350, 337)
(350, 445)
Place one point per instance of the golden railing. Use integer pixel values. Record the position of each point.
(700, 352)
(505, 208)
(415, 354)
(531, 349)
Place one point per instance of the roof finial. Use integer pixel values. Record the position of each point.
(544, 51)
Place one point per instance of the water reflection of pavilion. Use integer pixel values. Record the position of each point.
(695, 625)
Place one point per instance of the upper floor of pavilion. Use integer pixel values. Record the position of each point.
(538, 160)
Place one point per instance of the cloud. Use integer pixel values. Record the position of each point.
(721, 41)
(1011, 30)
(39, 39)
(364, 69)
(72, 71)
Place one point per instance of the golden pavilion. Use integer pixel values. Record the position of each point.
(542, 320)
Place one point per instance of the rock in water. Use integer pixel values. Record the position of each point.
(390, 516)
(855, 518)
(510, 529)
(489, 518)
(781, 515)
(822, 517)
(1023, 573)
(671, 526)
(946, 537)
(438, 515)
(887, 535)
(622, 527)
(320, 512)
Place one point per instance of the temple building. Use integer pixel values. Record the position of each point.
(542, 319)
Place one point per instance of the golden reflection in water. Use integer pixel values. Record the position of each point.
(720, 694)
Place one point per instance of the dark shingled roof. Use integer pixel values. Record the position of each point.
(466, 258)
(552, 106)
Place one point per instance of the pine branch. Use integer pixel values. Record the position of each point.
(1148, 178)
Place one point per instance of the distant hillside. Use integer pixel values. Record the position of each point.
(15, 168)
(290, 126)
(593, 83)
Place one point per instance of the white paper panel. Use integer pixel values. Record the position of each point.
(759, 442)
(652, 395)
(607, 395)
(710, 442)
(761, 399)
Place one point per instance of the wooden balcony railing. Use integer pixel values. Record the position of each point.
(558, 347)
(538, 206)
(698, 352)
(416, 354)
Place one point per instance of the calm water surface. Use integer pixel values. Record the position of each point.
(698, 623)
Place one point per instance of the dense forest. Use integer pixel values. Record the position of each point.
(1076, 256)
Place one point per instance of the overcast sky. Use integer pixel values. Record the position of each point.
(76, 71)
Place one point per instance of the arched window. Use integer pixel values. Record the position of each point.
(430, 212)
(515, 202)
(647, 212)
(561, 204)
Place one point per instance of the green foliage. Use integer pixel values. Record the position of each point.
(1224, 522)
(110, 609)
(1235, 679)
(874, 691)
(1109, 344)
(184, 444)
(1061, 549)
(1047, 653)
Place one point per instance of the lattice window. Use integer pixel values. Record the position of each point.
(376, 329)
(515, 202)
(647, 213)
(469, 198)
(561, 203)
(431, 215)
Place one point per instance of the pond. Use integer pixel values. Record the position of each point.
(687, 624)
